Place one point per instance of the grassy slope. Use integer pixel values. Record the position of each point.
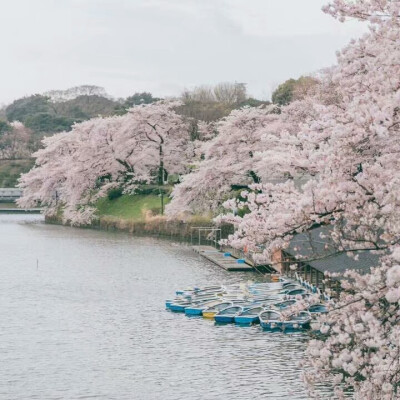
(130, 207)
(10, 171)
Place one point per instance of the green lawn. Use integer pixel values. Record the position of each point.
(130, 207)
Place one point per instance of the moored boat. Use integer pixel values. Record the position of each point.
(249, 316)
(179, 306)
(316, 309)
(227, 315)
(297, 321)
(197, 309)
(297, 292)
(210, 312)
(285, 304)
(270, 320)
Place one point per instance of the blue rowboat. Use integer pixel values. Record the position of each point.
(270, 320)
(202, 294)
(288, 283)
(227, 315)
(292, 286)
(285, 304)
(319, 308)
(197, 309)
(210, 312)
(249, 316)
(168, 303)
(297, 292)
(179, 306)
(297, 321)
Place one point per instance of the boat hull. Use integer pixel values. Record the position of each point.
(247, 320)
(224, 319)
(270, 325)
(178, 307)
(168, 304)
(193, 311)
(209, 314)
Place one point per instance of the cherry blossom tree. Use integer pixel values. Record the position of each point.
(74, 169)
(351, 153)
(227, 160)
(14, 141)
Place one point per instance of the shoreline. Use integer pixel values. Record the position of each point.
(155, 227)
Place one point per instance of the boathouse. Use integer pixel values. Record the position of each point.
(320, 255)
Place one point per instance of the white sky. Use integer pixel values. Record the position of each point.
(163, 46)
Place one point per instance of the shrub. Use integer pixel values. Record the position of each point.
(114, 193)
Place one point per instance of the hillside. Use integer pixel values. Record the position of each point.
(48, 113)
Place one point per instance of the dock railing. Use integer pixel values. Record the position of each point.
(200, 235)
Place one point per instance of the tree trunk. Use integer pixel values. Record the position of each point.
(161, 168)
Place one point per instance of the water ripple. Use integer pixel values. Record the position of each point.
(89, 323)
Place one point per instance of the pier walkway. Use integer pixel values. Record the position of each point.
(226, 262)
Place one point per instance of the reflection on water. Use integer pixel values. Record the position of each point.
(82, 316)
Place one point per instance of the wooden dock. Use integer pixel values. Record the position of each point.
(228, 263)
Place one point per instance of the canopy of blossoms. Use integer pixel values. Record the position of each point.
(75, 168)
(350, 151)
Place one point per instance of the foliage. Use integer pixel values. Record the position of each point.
(22, 109)
(15, 141)
(114, 193)
(142, 146)
(85, 107)
(58, 96)
(10, 171)
(4, 127)
(48, 123)
(347, 148)
(42, 115)
(57, 111)
(206, 103)
(293, 89)
(229, 160)
(135, 100)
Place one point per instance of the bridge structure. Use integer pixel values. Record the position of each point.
(8, 196)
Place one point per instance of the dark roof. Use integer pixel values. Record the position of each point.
(320, 253)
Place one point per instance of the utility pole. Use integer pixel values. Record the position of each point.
(162, 201)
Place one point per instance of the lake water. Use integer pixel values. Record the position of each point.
(82, 317)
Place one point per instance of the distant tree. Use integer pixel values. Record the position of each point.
(293, 89)
(230, 93)
(252, 102)
(41, 115)
(229, 160)
(135, 100)
(14, 140)
(4, 127)
(208, 103)
(59, 96)
(142, 146)
(23, 108)
(85, 107)
(48, 123)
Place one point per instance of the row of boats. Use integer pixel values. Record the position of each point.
(267, 304)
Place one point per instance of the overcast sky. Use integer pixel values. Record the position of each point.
(163, 46)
